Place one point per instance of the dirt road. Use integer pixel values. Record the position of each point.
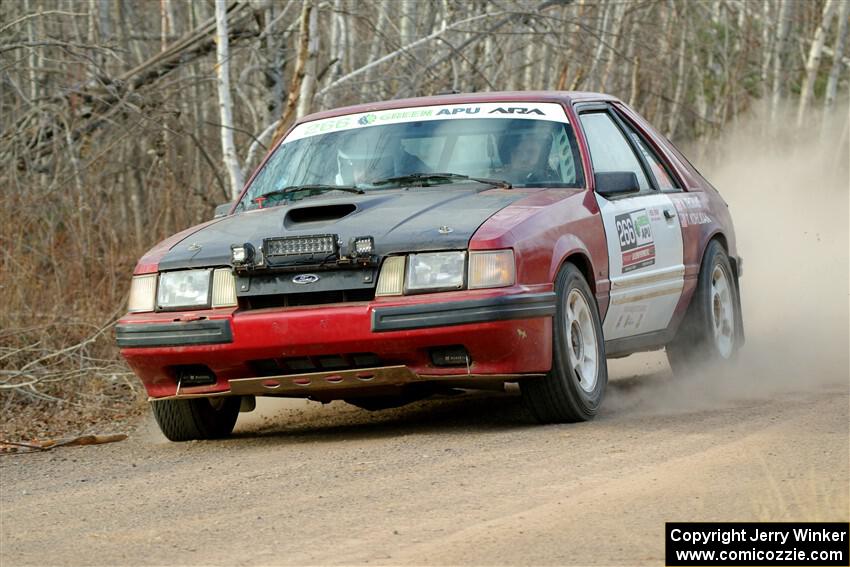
(456, 481)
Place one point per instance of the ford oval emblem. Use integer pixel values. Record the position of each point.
(304, 279)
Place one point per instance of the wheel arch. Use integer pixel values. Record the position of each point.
(570, 248)
(720, 237)
(582, 262)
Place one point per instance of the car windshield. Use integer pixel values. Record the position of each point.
(520, 151)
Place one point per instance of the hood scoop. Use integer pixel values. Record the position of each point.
(297, 218)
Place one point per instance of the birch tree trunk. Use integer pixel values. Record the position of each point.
(837, 55)
(780, 53)
(407, 30)
(225, 102)
(530, 62)
(33, 62)
(618, 15)
(600, 49)
(813, 61)
(767, 40)
(681, 79)
(374, 49)
(308, 84)
(298, 74)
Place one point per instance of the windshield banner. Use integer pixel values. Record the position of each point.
(529, 110)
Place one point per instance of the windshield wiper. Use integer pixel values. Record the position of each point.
(436, 178)
(315, 188)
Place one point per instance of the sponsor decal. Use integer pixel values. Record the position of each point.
(324, 126)
(516, 110)
(654, 214)
(691, 210)
(529, 111)
(631, 317)
(636, 243)
(459, 110)
(366, 119)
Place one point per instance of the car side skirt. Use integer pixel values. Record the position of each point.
(638, 343)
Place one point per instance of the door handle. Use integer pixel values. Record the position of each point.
(668, 215)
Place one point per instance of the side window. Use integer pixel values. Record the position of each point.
(609, 149)
(666, 182)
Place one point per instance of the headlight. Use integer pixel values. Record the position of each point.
(435, 271)
(142, 293)
(491, 268)
(441, 271)
(223, 288)
(391, 279)
(185, 288)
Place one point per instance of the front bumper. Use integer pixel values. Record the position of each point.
(506, 333)
(174, 333)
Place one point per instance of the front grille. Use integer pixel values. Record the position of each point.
(304, 364)
(310, 298)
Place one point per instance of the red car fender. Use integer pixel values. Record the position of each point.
(545, 230)
(572, 248)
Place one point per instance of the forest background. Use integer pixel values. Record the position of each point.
(125, 121)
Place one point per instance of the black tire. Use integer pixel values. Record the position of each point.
(559, 396)
(696, 344)
(196, 418)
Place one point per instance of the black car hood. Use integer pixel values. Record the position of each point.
(411, 220)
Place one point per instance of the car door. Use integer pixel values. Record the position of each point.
(642, 230)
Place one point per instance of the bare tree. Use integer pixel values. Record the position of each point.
(311, 66)
(780, 54)
(837, 57)
(813, 61)
(225, 102)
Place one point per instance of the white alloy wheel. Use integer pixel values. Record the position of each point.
(581, 341)
(722, 312)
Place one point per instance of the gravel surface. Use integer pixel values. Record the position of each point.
(466, 480)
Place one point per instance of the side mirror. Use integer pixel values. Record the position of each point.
(222, 210)
(616, 183)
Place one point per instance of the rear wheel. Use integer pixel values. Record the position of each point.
(574, 388)
(709, 332)
(196, 418)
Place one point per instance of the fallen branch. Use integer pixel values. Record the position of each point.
(38, 446)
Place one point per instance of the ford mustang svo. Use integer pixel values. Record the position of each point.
(387, 252)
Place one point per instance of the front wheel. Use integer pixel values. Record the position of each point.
(709, 334)
(574, 388)
(196, 418)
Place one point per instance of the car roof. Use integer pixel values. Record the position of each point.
(463, 98)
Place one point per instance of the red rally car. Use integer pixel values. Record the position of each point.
(386, 252)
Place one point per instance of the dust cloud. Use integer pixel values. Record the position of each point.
(787, 189)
